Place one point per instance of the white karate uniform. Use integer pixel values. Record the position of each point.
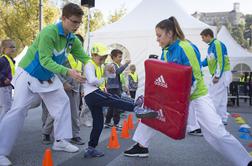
(28, 90)
(192, 122)
(219, 94)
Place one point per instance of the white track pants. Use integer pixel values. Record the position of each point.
(28, 91)
(212, 128)
(192, 122)
(5, 100)
(218, 92)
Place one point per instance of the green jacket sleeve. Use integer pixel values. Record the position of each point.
(220, 60)
(45, 48)
(78, 52)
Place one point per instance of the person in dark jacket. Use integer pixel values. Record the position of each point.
(133, 81)
(114, 86)
(7, 70)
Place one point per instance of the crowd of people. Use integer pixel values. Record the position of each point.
(58, 73)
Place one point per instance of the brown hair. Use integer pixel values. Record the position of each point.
(4, 44)
(71, 9)
(171, 24)
(132, 66)
(115, 52)
(207, 32)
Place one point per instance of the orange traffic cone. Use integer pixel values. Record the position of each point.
(125, 131)
(47, 161)
(130, 122)
(113, 140)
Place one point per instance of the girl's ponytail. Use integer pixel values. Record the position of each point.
(177, 28)
(171, 24)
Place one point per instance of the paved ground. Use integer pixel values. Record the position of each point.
(192, 151)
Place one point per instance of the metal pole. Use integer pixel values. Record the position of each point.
(88, 31)
(250, 43)
(40, 15)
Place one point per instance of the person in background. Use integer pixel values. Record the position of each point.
(73, 90)
(36, 80)
(218, 63)
(96, 98)
(7, 71)
(176, 49)
(244, 88)
(114, 86)
(133, 81)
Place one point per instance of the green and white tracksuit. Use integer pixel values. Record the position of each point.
(218, 64)
(35, 79)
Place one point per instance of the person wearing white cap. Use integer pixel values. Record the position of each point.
(96, 98)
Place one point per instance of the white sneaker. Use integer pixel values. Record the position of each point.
(4, 161)
(63, 145)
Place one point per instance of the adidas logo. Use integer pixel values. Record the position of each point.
(161, 82)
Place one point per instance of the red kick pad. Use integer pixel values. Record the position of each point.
(167, 90)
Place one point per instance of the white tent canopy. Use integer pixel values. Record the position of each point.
(135, 33)
(149, 13)
(237, 54)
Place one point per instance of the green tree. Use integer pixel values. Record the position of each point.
(19, 19)
(96, 21)
(117, 15)
(248, 21)
(229, 26)
(248, 30)
(238, 35)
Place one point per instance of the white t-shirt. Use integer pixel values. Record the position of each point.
(92, 83)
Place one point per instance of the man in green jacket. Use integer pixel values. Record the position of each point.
(218, 64)
(36, 80)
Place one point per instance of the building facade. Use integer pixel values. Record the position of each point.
(234, 17)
